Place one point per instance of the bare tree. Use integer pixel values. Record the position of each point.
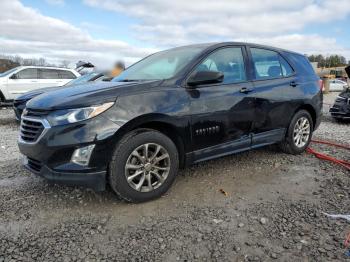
(65, 63)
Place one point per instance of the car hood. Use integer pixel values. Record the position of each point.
(86, 94)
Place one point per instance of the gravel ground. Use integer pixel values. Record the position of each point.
(272, 210)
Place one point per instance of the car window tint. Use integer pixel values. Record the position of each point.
(49, 74)
(266, 63)
(229, 61)
(66, 74)
(29, 73)
(287, 70)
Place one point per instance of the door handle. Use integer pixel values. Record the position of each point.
(245, 90)
(293, 84)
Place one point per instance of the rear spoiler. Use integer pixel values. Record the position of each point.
(81, 65)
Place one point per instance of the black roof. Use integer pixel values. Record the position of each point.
(221, 44)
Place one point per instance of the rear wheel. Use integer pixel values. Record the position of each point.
(299, 133)
(144, 165)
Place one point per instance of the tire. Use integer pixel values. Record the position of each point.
(129, 151)
(289, 145)
(2, 99)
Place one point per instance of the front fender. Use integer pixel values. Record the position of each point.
(169, 106)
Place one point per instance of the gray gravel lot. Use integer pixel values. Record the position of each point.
(272, 210)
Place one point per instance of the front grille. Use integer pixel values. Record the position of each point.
(31, 130)
(340, 99)
(35, 113)
(34, 165)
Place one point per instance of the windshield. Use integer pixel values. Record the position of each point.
(8, 72)
(162, 65)
(82, 79)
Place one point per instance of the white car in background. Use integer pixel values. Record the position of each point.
(22, 79)
(337, 85)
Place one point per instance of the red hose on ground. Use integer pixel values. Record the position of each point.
(330, 143)
(329, 158)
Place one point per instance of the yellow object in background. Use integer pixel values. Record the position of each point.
(116, 72)
(118, 68)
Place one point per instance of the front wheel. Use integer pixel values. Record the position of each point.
(144, 165)
(299, 133)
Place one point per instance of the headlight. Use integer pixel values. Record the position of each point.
(68, 116)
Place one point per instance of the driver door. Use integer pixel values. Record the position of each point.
(222, 114)
(22, 82)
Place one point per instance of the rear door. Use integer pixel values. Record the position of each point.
(222, 115)
(22, 82)
(49, 77)
(276, 92)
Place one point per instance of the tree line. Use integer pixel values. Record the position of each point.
(329, 61)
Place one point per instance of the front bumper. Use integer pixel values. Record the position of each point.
(50, 156)
(94, 180)
(341, 108)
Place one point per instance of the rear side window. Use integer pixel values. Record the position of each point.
(29, 73)
(287, 70)
(49, 74)
(229, 61)
(269, 64)
(302, 65)
(66, 74)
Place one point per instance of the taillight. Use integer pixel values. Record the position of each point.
(320, 83)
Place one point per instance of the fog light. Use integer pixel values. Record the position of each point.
(81, 156)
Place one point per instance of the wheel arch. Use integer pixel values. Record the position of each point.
(161, 123)
(311, 110)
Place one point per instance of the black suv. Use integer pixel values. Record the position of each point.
(171, 109)
(341, 107)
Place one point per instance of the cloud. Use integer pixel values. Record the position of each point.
(171, 23)
(25, 31)
(305, 44)
(162, 24)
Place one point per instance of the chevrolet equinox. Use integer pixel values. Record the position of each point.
(169, 110)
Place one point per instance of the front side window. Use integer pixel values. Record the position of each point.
(228, 61)
(29, 73)
(269, 64)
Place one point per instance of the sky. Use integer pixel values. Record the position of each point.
(103, 31)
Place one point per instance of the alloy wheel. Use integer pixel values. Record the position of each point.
(147, 167)
(301, 132)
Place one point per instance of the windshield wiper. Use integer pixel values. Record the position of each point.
(137, 80)
(129, 80)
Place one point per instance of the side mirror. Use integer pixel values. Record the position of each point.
(205, 77)
(14, 76)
